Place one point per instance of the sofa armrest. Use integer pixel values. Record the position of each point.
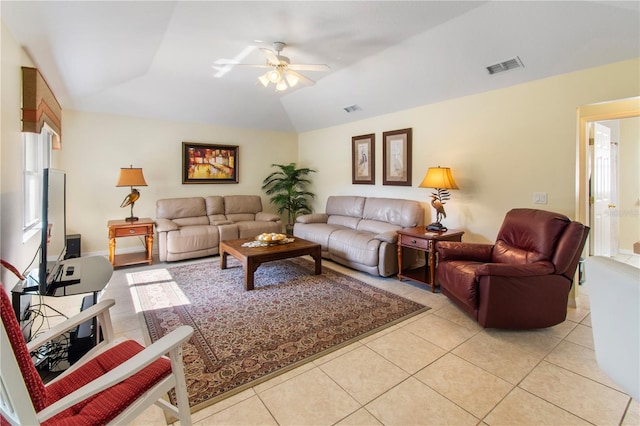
(511, 270)
(166, 225)
(453, 250)
(313, 218)
(390, 237)
(267, 217)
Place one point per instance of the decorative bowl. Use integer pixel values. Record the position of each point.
(271, 238)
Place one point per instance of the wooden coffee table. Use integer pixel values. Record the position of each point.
(252, 257)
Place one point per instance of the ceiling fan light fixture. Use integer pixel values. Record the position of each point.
(264, 79)
(282, 85)
(274, 76)
(292, 79)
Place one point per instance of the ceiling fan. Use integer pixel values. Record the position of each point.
(282, 73)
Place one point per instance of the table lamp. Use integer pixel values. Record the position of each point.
(131, 177)
(441, 180)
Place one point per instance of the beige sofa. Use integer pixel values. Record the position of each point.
(194, 226)
(360, 232)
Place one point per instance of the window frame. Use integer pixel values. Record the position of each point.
(36, 156)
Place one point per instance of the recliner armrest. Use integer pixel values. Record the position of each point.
(166, 225)
(513, 270)
(453, 250)
(390, 237)
(267, 217)
(313, 218)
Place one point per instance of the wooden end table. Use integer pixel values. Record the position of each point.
(142, 227)
(419, 238)
(252, 257)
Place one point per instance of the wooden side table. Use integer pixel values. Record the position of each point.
(122, 228)
(420, 239)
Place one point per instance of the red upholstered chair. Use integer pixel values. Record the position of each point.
(112, 384)
(523, 280)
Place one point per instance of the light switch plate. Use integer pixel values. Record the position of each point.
(539, 198)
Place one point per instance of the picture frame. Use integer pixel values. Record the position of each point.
(209, 163)
(396, 157)
(363, 159)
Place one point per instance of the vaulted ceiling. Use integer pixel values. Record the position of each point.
(158, 59)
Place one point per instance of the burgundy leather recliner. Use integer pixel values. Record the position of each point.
(523, 280)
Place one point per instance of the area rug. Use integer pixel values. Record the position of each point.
(242, 338)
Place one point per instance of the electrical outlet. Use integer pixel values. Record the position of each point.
(539, 198)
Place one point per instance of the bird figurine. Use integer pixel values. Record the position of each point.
(439, 207)
(438, 199)
(131, 198)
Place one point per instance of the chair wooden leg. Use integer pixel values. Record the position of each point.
(181, 387)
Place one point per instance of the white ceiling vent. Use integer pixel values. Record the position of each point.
(352, 108)
(505, 66)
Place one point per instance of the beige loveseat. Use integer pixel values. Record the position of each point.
(360, 232)
(194, 226)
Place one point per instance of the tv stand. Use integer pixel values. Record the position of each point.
(89, 275)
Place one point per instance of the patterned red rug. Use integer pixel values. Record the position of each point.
(243, 337)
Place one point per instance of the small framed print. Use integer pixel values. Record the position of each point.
(396, 157)
(363, 159)
(207, 163)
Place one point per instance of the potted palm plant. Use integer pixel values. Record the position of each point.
(287, 185)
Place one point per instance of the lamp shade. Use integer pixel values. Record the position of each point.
(131, 176)
(438, 177)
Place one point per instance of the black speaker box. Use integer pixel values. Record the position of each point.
(73, 246)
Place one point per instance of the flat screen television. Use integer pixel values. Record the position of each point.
(53, 243)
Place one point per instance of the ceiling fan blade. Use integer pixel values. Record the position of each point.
(235, 64)
(301, 78)
(309, 67)
(270, 55)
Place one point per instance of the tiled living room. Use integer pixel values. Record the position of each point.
(436, 368)
(514, 98)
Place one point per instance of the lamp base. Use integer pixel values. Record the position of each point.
(131, 219)
(436, 226)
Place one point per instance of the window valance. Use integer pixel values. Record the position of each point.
(40, 106)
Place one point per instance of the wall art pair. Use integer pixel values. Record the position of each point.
(396, 158)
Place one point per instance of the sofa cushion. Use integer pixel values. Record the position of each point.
(343, 221)
(191, 221)
(376, 226)
(345, 205)
(215, 208)
(404, 213)
(192, 238)
(356, 246)
(241, 217)
(316, 232)
(252, 228)
(242, 204)
(173, 208)
(267, 217)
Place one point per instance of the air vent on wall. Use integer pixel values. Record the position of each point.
(505, 66)
(352, 108)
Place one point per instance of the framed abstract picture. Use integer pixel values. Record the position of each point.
(207, 163)
(396, 157)
(363, 159)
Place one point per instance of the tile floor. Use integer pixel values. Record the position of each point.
(436, 368)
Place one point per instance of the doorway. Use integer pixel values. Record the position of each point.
(609, 175)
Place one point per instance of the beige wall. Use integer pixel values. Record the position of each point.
(96, 146)
(502, 146)
(629, 167)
